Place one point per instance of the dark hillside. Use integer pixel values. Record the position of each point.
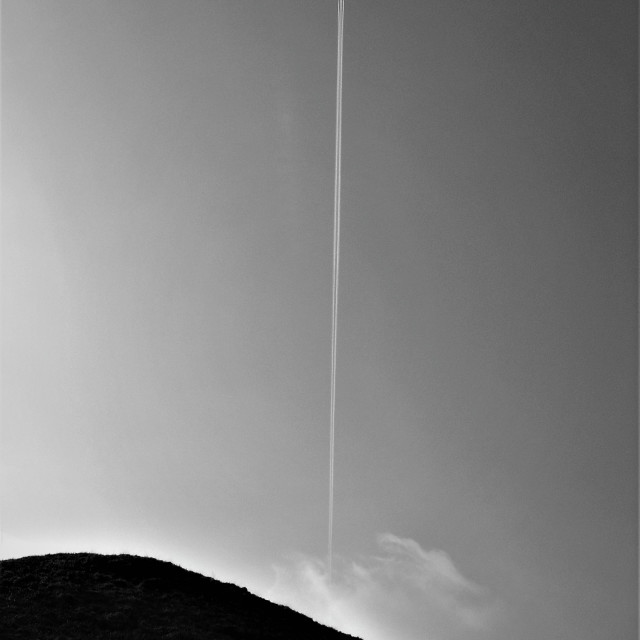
(86, 595)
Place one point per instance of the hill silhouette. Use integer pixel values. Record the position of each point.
(87, 595)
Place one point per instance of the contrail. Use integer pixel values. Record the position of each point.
(336, 274)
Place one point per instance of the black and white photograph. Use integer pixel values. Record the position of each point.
(319, 319)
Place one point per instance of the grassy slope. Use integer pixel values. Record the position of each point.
(86, 595)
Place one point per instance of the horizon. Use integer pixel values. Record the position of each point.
(126, 596)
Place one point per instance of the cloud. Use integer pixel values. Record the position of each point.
(404, 593)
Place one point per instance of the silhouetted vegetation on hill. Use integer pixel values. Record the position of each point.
(87, 595)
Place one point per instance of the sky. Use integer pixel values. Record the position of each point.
(167, 212)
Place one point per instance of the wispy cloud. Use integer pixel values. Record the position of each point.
(404, 593)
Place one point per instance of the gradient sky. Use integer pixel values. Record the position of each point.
(166, 287)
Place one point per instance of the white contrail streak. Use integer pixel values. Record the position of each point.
(336, 274)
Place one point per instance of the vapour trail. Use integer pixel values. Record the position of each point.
(336, 273)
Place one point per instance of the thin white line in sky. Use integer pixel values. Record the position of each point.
(336, 274)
